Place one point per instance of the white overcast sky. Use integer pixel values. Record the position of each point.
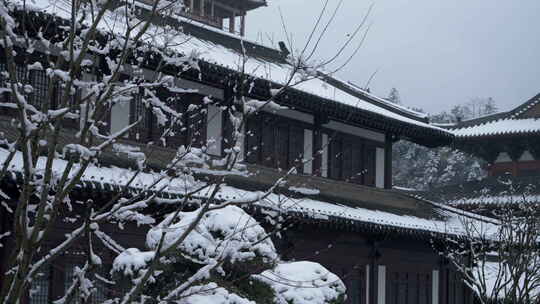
(437, 53)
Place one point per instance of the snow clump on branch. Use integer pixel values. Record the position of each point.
(227, 233)
(303, 282)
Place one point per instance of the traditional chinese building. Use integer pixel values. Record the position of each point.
(343, 212)
(508, 141)
(510, 144)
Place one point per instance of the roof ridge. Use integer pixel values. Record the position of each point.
(519, 110)
(371, 98)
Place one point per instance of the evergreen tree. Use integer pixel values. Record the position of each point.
(393, 97)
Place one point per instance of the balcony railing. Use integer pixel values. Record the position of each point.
(210, 20)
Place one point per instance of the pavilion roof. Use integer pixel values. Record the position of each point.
(521, 120)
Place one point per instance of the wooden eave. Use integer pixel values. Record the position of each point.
(99, 191)
(244, 5)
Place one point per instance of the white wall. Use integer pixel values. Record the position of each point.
(435, 287)
(503, 157)
(120, 117)
(214, 130)
(526, 156)
(324, 160)
(308, 151)
(367, 283)
(381, 285)
(379, 168)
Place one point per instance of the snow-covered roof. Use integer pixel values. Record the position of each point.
(495, 200)
(488, 193)
(277, 71)
(514, 122)
(500, 127)
(445, 220)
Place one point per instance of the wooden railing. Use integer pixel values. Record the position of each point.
(210, 20)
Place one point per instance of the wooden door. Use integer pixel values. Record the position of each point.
(369, 165)
(336, 158)
(408, 287)
(296, 147)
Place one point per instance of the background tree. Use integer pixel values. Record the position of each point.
(393, 96)
(421, 168)
(501, 261)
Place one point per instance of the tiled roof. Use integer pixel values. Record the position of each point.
(500, 127)
(505, 123)
(442, 221)
(489, 192)
(223, 49)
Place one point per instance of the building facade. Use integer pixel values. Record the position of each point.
(338, 136)
(508, 141)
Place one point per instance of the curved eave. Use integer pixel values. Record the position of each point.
(245, 4)
(496, 135)
(101, 191)
(424, 135)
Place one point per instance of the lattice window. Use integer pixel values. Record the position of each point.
(39, 289)
(20, 73)
(40, 83)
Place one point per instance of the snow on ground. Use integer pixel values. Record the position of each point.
(500, 127)
(218, 54)
(303, 283)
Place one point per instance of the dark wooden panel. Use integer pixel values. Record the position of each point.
(253, 141)
(357, 158)
(282, 147)
(268, 142)
(296, 147)
(407, 285)
(336, 156)
(347, 159)
(369, 165)
(355, 281)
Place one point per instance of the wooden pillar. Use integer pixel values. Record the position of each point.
(231, 22)
(243, 24)
(317, 145)
(191, 6)
(203, 2)
(388, 161)
(515, 170)
(373, 284)
(3, 229)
